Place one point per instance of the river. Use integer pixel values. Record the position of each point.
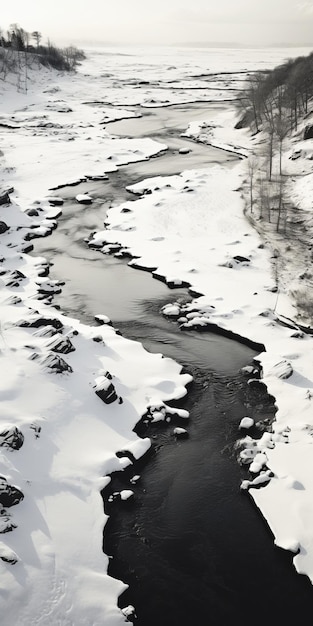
(191, 546)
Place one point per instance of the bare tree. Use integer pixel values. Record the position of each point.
(282, 128)
(281, 208)
(252, 99)
(265, 198)
(252, 168)
(37, 36)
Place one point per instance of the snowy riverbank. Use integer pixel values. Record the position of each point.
(194, 223)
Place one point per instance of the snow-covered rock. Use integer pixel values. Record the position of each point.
(11, 437)
(9, 494)
(283, 369)
(102, 319)
(171, 310)
(84, 198)
(246, 423)
(105, 389)
(181, 433)
(7, 555)
(126, 494)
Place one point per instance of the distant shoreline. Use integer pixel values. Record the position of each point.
(212, 45)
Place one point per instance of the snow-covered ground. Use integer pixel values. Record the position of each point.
(71, 394)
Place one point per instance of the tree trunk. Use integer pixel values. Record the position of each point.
(271, 156)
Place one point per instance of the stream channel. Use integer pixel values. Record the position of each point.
(192, 548)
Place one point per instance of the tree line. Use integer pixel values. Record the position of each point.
(273, 102)
(17, 47)
(283, 91)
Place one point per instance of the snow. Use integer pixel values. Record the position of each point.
(192, 230)
(220, 132)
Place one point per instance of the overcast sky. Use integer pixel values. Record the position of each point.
(164, 21)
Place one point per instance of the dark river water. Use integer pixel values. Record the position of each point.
(192, 547)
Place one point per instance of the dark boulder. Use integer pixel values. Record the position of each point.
(49, 288)
(17, 275)
(308, 132)
(11, 437)
(241, 259)
(44, 271)
(4, 197)
(9, 495)
(61, 344)
(3, 226)
(55, 201)
(105, 389)
(26, 248)
(53, 362)
(107, 395)
(32, 212)
(98, 339)
(56, 364)
(36, 321)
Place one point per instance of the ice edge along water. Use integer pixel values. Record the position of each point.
(70, 436)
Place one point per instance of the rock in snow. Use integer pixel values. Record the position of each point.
(7, 555)
(83, 198)
(308, 132)
(52, 362)
(11, 437)
(9, 495)
(105, 389)
(283, 369)
(36, 321)
(60, 344)
(55, 200)
(3, 227)
(4, 197)
(102, 319)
